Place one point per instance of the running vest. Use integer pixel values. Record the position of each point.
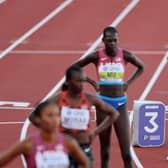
(48, 156)
(74, 118)
(110, 69)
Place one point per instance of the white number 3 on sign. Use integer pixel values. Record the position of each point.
(153, 116)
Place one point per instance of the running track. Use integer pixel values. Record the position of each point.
(32, 69)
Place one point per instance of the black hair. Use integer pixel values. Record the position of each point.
(64, 87)
(39, 108)
(109, 29)
(71, 70)
(68, 74)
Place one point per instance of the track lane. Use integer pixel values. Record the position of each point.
(21, 76)
(17, 16)
(68, 31)
(7, 115)
(145, 29)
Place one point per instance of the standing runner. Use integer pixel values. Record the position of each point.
(75, 110)
(46, 148)
(110, 63)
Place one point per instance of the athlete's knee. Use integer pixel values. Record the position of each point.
(127, 157)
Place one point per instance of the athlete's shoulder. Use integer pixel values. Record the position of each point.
(91, 98)
(127, 53)
(89, 58)
(133, 59)
(93, 56)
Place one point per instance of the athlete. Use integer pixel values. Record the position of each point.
(48, 147)
(75, 110)
(110, 62)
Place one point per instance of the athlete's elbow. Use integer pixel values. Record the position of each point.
(141, 67)
(115, 116)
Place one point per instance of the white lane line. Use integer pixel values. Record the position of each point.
(11, 123)
(36, 27)
(154, 77)
(166, 107)
(119, 18)
(2, 1)
(22, 122)
(16, 108)
(149, 52)
(53, 52)
(14, 103)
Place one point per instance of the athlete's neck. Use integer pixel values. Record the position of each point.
(48, 137)
(73, 95)
(111, 53)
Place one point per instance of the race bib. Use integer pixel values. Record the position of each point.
(73, 118)
(51, 159)
(107, 75)
(111, 72)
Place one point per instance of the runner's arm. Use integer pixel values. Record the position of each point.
(15, 150)
(77, 153)
(135, 61)
(91, 58)
(102, 107)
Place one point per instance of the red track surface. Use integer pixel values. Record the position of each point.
(29, 77)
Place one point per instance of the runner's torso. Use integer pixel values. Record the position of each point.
(75, 119)
(48, 155)
(110, 71)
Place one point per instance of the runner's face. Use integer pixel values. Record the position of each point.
(76, 81)
(49, 118)
(111, 41)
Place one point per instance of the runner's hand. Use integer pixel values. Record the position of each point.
(92, 136)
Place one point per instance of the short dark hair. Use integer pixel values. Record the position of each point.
(68, 74)
(109, 29)
(39, 108)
